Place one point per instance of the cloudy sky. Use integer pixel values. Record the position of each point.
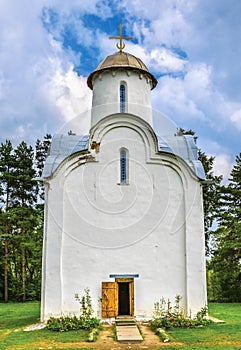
(193, 47)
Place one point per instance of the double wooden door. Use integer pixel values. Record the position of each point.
(118, 298)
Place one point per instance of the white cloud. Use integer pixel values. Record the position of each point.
(223, 159)
(194, 101)
(161, 22)
(208, 31)
(159, 59)
(172, 98)
(157, 9)
(222, 166)
(39, 89)
(185, 96)
(72, 97)
(198, 81)
(99, 8)
(236, 119)
(166, 59)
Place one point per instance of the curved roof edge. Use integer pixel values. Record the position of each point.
(185, 147)
(63, 146)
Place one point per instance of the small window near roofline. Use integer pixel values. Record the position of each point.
(123, 166)
(123, 99)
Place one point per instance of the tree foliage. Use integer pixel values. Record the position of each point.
(222, 207)
(225, 265)
(21, 223)
(21, 219)
(211, 191)
(6, 181)
(211, 196)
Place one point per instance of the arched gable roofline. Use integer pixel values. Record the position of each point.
(100, 129)
(153, 155)
(147, 134)
(118, 120)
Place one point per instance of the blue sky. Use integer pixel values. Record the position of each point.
(193, 47)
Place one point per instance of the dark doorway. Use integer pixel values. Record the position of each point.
(124, 298)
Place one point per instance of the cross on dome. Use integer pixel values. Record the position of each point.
(120, 46)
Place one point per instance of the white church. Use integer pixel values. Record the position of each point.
(124, 206)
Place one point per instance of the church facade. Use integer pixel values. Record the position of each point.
(124, 209)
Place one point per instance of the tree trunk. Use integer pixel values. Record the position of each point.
(23, 276)
(6, 252)
(23, 261)
(6, 271)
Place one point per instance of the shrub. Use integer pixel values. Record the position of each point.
(85, 305)
(168, 317)
(84, 321)
(68, 323)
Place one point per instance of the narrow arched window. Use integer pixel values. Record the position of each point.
(122, 98)
(123, 166)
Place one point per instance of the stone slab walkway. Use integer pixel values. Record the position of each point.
(128, 334)
(127, 331)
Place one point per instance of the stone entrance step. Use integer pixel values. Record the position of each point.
(127, 331)
(125, 322)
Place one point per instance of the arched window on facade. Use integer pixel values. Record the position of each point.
(123, 97)
(123, 166)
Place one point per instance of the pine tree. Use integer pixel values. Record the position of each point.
(211, 197)
(21, 219)
(24, 197)
(6, 185)
(41, 152)
(227, 254)
(211, 190)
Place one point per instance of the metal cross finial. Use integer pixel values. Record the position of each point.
(120, 46)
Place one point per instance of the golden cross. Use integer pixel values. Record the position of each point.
(120, 45)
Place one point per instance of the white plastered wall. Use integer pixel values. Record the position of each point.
(152, 227)
(106, 94)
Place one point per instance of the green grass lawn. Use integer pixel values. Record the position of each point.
(217, 336)
(14, 317)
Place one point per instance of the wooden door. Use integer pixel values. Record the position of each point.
(109, 299)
